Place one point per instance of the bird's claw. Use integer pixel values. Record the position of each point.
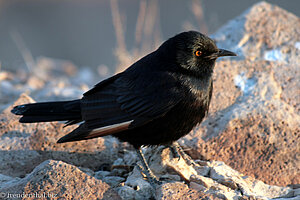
(174, 151)
(178, 152)
(153, 180)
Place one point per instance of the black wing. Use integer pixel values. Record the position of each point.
(125, 101)
(130, 97)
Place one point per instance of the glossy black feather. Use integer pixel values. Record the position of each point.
(157, 100)
(49, 111)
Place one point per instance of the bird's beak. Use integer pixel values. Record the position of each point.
(223, 52)
(220, 53)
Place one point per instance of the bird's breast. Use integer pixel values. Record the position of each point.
(198, 88)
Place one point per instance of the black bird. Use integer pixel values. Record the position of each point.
(155, 101)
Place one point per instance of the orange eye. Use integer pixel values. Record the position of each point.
(198, 53)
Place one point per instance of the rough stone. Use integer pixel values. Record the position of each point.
(180, 191)
(262, 32)
(56, 179)
(113, 181)
(162, 162)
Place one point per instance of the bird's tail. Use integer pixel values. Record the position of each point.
(49, 111)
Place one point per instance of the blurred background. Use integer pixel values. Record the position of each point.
(106, 34)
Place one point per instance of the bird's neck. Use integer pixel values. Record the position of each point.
(199, 75)
(199, 86)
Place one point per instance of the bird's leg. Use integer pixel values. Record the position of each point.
(146, 169)
(174, 151)
(178, 151)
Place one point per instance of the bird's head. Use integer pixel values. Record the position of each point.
(195, 52)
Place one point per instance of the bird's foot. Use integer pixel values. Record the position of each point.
(174, 151)
(178, 152)
(153, 180)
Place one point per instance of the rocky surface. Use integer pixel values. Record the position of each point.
(247, 144)
(58, 180)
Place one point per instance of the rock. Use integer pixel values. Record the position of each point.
(113, 181)
(228, 177)
(178, 190)
(162, 162)
(225, 182)
(254, 119)
(4, 178)
(101, 174)
(136, 187)
(35, 83)
(221, 182)
(263, 32)
(56, 179)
